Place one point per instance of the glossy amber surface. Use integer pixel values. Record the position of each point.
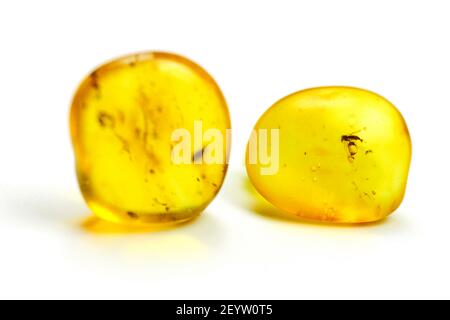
(122, 121)
(344, 155)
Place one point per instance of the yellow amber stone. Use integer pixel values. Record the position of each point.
(123, 120)
(335, 154)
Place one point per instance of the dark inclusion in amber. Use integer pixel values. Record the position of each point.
(123, 120)
(343, 155)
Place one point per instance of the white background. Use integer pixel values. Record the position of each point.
(258, 52)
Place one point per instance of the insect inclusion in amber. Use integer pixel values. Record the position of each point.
(339, 154)
(122, 121)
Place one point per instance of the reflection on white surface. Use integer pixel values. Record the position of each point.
(58, 211)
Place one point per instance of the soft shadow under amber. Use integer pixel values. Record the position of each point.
(195, 239)
(253, 202)
(95, 225)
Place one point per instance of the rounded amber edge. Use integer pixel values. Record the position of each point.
(294, 215)
(129, 60)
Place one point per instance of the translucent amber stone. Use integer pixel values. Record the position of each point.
(123, 120)
(337, 154)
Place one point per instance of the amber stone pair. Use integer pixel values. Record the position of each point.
(151, 135)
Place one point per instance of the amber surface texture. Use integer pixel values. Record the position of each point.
(123, 119)
(344, 155)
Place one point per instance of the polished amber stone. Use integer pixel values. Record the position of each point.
(338, 154)
(123, 119)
